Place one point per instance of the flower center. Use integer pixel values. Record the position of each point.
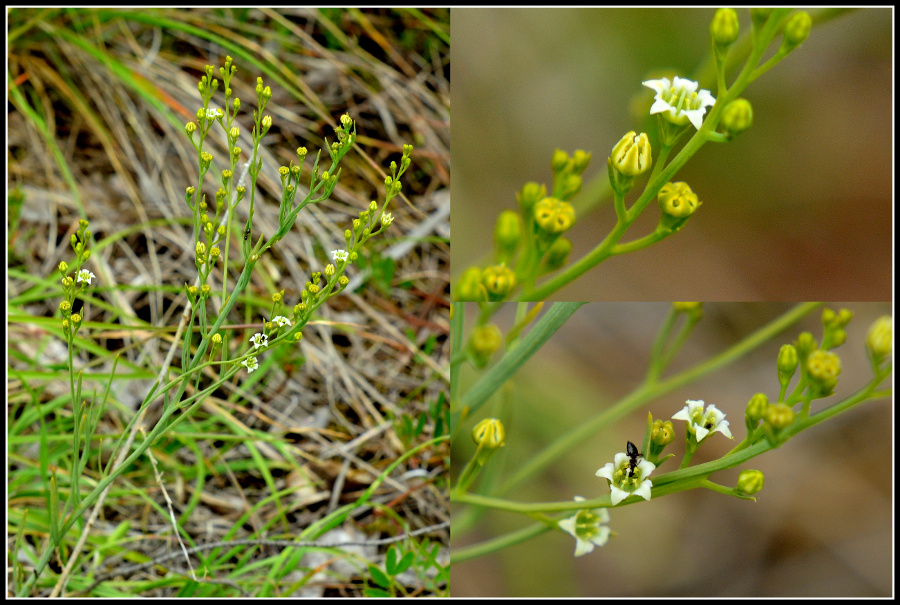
(681, 99)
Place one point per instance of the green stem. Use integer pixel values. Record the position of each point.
(488, 546)
(646, 393)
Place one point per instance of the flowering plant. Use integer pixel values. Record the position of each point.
(226, 325)
(540, 263)
(549, 428)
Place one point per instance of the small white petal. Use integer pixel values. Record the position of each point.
(700, 432)
(583, 547)
(688, 85)
(617, 494)
(85, 276)
(695, 116)
(606, 472)
(644, 489)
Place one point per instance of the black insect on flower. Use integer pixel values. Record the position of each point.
(633, 455)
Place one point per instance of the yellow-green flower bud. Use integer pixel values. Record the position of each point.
(499, 281)
(796, 30)
(631, 155)
(76, 318)
(469, 287)
(484, 342)
(298, 336)
(489, 434)
(193, 291)
(557, 254)
(805, 344)
(343, 280)
(553, 215)
(266, 121)
(65, 306)
(677, 200)
(756, 408)
(580, 161)
(67, 281)
(880, 339)
(823, 367)
(65, 324)
(737, 117)
(750, 482)
(301, 153)
(779, 416)
(560, 161)
(235, 132)
(190, 128)
(205, 289)
(200, 248)
(567, 186)
(507, 233)
(329, 270)
(662, 433)
(63, 267)
(216, 339)
(834, 324)
(724, 28)
(530, 195)
(787, 363)
(843, 317)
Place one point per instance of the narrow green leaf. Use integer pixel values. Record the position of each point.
(530, 344)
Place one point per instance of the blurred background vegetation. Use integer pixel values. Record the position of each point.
(98, 103)
(821, 526)
(797, 208)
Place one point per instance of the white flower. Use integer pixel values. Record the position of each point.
(680, 99)
(212, 113)
(586, 528)
(250, 363)
(703, 422)
(281, 320)
(85, 276)
(259, 340)
(386, 219)
(339, 255)
(623, 481)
